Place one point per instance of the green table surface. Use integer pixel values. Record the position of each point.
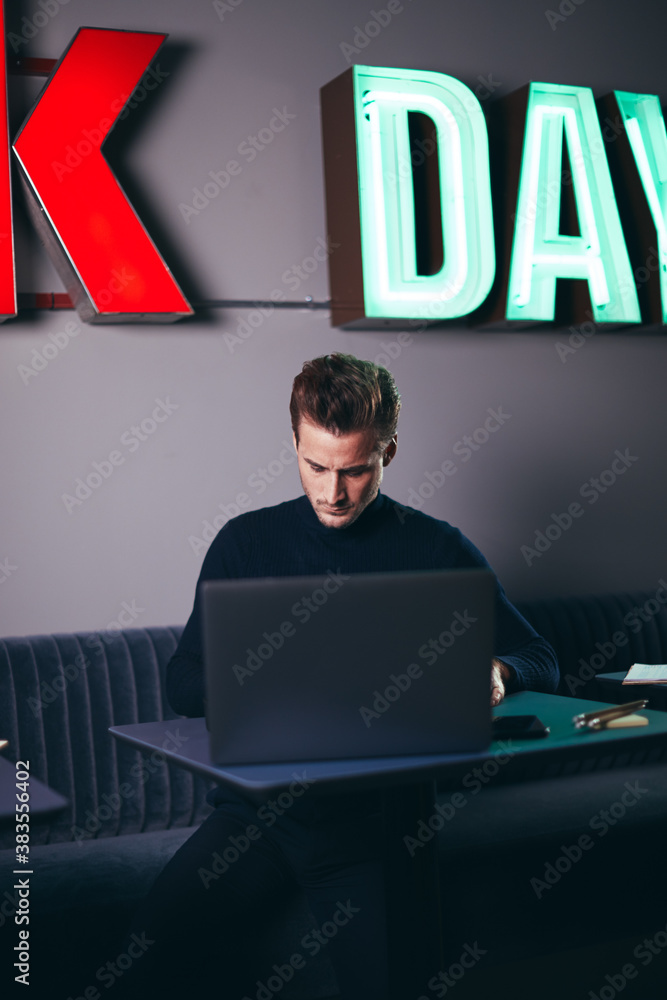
(557, 711)
(567, 750)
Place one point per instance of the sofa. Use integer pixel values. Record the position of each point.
(127, 813)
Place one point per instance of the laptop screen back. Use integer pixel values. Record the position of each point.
(335, 666)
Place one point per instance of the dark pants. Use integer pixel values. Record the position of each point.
(194, 933)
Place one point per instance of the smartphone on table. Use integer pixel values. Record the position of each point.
(518, 727)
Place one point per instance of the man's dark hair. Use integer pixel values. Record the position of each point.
(342, 394)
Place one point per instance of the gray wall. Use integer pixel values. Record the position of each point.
(131, 541)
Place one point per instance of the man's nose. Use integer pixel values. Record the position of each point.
(335, 489)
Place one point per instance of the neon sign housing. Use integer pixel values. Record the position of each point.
(565, 223)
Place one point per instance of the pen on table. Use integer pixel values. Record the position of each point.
(593, 720)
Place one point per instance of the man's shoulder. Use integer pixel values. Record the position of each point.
(446, 542)
(265, 517)
(242, 533)
(417, 520)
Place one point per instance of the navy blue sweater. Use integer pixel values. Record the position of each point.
(289, 540)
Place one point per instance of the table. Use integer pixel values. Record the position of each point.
(611, 688)
(413, 906)
(557, 753)
(43, 800)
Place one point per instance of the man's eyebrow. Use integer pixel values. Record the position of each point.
(351, 468)
(357, 468)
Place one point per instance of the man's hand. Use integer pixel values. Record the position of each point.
(500, 675)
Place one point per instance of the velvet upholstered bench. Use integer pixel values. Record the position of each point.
(127, 813)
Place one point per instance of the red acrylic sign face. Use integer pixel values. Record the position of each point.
(108, 262)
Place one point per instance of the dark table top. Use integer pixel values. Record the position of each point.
(564, 751)
(611, 686)
(43, 801)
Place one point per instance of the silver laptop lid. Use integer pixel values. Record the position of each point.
(361, 665)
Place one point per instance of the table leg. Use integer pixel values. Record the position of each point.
(413, 904)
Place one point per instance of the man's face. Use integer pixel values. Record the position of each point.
(340, 474)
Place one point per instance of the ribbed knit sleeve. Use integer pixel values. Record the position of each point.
(185, 684)
(516, 642)
(535, 666)
(226, 559)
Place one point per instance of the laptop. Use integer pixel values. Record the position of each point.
(348, 665)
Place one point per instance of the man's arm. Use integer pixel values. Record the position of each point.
(185, 684)
(529, 666)
(523, 660)
(539, 670)
(225, 559)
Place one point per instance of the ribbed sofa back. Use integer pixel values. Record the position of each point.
(601, 634)
(58, 696)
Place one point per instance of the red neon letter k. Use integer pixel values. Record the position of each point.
(108, 262)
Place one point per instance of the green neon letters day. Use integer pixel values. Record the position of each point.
(556, 115)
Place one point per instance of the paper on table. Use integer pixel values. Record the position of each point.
(646, 673)
(626, 722)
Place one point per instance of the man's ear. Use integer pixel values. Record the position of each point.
(390, 451)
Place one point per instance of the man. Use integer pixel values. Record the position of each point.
(344, 419)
